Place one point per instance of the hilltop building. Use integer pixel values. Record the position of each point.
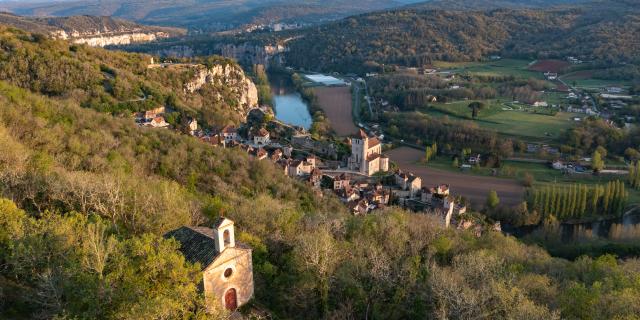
(366, 155)
(227, 272)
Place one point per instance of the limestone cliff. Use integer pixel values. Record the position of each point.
(230, 76)
(103, 39)
(91, 30)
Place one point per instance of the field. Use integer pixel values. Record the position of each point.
(514, 67)
(528, 126)
(472, 187)
(543, 175)
(336, 104)
(584, 79)
(555, 66)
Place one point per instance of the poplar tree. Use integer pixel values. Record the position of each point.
(606, 199)
(574, 200)
(547, 201)
(584, 195)
(595, 199)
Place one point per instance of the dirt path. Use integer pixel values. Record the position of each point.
(336, 103)
(474, 188)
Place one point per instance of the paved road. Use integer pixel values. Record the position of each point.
(474, 188)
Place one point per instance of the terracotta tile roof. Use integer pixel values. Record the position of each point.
(263, 132)
(229, 130)
(373, 142)
(373, 157)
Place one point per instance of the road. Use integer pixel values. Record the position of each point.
(474, 188)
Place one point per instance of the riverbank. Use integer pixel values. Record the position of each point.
(288, 104)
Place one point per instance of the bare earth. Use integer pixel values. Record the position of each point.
(474, 188)
(336, 103)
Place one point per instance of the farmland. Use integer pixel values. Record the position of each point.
(555, 66)
(472, 187)
(336, 104)
(511, 67)
(584, 79)
(520, 124)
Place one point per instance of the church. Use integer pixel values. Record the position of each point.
(227, 271)
(366, 155)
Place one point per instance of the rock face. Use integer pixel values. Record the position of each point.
(230, 76)
(91, 30)
(111, 39)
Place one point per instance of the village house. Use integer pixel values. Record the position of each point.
(261, 138)
(408, 182)
(230, 134)
(341, 182)
(226, 264)
(315, 178)
(347, 195)
(301, 167)
(157, 122)
(366, 155)
(359, 207)
(276, 155)
(260, 154)
(378, 195)
(214, 140)
(540, 104)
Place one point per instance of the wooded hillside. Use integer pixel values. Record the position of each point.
(85, 197)
(418, 37)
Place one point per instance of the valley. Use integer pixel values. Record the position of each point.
(381, 159)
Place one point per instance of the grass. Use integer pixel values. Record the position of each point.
(514, 67)
(522, 124)
(527, 126)
(583, 79)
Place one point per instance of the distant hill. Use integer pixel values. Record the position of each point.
(207, 15)
(93, 30)
(493, 4)
(416, 37)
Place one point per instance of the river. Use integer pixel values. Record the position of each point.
(288, 105)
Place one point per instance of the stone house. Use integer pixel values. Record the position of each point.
(230, 134)
(157, 122)
(315, 178)
(262, 137)
(408, 182)
(341, 182)
(226, 264)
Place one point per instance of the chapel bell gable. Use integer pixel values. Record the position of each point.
(224, 236)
